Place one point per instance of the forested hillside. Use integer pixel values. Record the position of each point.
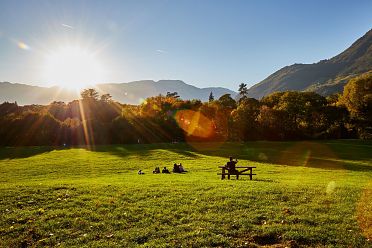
(97, 119)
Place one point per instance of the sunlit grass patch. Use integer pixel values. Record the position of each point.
(78, 197)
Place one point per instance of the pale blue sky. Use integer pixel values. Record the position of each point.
(204, 43)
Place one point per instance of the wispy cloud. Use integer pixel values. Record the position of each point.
(67, 26)
(161, 51)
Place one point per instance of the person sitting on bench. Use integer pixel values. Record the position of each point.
(165, 170)
(230, 166)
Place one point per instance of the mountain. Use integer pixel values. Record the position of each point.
(27, 94)
(325, 77)
(134, 92)
(131, 93)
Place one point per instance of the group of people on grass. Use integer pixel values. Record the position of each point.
(164, 170)
(178, 168)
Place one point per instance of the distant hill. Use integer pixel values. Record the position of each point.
(325, 77)
(132, 92)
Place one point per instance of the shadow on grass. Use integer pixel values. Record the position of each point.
(144, 150)
(265, 180)
(332, 155)
(24, 152)
(140, 150)
(351, 155)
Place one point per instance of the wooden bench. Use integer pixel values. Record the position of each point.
(225, 172)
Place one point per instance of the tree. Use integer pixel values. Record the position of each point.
(172, 94)
(6, 108)
(333, 99)
(243, 90)
(244, 119)
(274, 124)
(57, 110)
(106, 98)
(272, 99)
(303, 109)
(227, 101)
(89, 94)
(357, 97)
(211, 97)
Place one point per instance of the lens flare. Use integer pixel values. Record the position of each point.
(331, 187)
(199, 129)
(194, 123)
(311, 154)
(364, 211)
(23, 45)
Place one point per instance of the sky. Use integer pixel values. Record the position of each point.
(204, 43)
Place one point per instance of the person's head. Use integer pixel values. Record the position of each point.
(231, 158)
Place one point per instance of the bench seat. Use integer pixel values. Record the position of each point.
(234, 174)
(247, 171)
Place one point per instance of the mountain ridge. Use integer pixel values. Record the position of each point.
(130, 93)
(324, 77)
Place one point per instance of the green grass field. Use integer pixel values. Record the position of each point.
(306, 194)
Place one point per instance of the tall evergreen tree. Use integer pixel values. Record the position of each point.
(243, 90)
(211, 97)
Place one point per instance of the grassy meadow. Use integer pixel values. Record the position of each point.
(305, 194)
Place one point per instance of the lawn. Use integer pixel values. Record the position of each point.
(305, 194)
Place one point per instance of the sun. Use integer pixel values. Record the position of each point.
(73, 67)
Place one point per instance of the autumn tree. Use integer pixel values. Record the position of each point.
(245, 126)
(89, 94)
(106, 98)
(357, 97)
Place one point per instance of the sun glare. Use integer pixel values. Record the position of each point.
(73, 67)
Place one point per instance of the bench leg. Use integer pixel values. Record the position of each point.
(228, 176)
(250, 176)
(237, 177)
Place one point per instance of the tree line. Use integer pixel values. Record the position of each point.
(98, 119)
